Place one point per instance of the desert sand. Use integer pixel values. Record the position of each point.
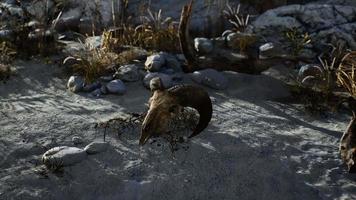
(256, 146)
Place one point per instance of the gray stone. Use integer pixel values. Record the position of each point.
(172, 62)
(155, 62)
(210, 78)
(103, 90)
(7, 35)
(203, 45)
(75, 83)
(166, 79)
(92, 86)
(63, 156)
(106, 78)
(96, 93)
(116, 87)
(40, 9)
(77, 140)
(14, 10)
(69, 20)
(96, 147)
(269, 50)
(128, 73)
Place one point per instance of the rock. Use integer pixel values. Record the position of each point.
(69, 20)
(14, 10)
(203, 45)
(116, 87)
(7, 35)
(103, 90)
(172, 62)
(269, 50)
(323, 22)
(310, 70)
(128, 73)
(91, 87)
(34, 24)
(96, 93)
(234, 40)
(106, 78)
(77, 140)
(40, 9)
(232, 57)
(155, 62)
(93, 42)
(166, 79)
(96, 147)
(210, 78)
(75, 83)
(63, 156)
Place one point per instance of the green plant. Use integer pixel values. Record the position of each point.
(297, 40)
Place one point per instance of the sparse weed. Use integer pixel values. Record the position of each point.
(297, 40)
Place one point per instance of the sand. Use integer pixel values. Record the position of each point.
(254, 148)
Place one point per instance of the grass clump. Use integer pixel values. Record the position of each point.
(154, 33)
(236, 18)
(346, 76)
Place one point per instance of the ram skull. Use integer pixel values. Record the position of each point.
(165, 104)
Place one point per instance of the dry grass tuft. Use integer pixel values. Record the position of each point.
(155, 33)
(346, 76)
(236, 18)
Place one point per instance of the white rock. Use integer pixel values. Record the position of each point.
(75, 83)
(63, 156)
(116, 87)
(96, 147)
(203, 45)
(155, 62)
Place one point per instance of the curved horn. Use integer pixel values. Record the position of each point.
(197, 98)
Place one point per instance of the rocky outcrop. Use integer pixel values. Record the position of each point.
(325, 23)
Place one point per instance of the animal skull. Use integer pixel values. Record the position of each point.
(348, 141)
(166, 103)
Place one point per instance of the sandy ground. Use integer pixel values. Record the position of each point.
(254, 147)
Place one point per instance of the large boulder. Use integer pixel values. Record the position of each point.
(325, 23)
